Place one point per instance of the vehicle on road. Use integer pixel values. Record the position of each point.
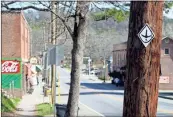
(95, 71)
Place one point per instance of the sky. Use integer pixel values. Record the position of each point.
(169, 14)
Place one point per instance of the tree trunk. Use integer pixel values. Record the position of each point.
(142, 81)
(79, 37)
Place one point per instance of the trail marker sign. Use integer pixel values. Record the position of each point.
(146, 35)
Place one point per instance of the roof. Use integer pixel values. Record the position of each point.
(3, 12)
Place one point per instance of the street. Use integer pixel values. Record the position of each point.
(103, 99)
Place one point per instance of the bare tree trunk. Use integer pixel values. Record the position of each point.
(79, 37)
(143, 64)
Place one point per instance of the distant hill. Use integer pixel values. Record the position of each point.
(109, 29)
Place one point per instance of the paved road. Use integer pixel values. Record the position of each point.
(104, 98)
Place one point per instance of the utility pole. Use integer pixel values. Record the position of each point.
(44, 38)
(53, 41)
(104, 65)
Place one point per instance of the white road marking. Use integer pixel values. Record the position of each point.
(92, 109)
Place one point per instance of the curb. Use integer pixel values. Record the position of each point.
(166, 97)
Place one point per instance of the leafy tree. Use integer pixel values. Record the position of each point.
(118, 15)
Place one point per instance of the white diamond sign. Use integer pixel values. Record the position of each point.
(146, 35)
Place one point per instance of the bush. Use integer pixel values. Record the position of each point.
(44, 109)
(9, 104)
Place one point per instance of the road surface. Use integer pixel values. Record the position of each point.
(104, 99)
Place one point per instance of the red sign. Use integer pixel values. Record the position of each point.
(10, 66)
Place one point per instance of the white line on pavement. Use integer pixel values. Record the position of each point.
(92, 109)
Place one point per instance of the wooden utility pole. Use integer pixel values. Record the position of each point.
(53, 41)
(143, 63)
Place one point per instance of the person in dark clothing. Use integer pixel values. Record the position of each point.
(26, 77)
(37, 81)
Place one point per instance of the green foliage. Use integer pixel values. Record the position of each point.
(168, 4)
(118, 15)
(9, 105)
(36, 26)
(44, 109)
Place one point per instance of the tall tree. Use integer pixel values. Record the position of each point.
(79, 37)
(143, 64)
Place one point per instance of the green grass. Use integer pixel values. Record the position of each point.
(9, 104)
(44, 109)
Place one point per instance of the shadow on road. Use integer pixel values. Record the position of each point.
(166, 93)
(100, 86)
(96, 93)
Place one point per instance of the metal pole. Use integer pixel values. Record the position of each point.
(13, 89)
(53, 41)
(89, 67)
(44, 38)
(10, 89)
(104, 69)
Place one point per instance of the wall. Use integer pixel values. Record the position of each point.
(15, 45)
(167, 64)
(25, 39)
(11, 35)
(166, 61)
(119, 55)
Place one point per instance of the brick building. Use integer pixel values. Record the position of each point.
(15, 47)
(166, 79)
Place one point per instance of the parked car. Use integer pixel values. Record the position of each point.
(95, 71)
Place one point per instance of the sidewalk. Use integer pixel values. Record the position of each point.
(27, 105)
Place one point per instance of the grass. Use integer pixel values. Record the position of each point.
(44, 109)
(9, 104)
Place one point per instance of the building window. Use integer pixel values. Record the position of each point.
(166, 51)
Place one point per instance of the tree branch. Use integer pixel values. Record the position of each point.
(24, 8)
(6, 4)
(62, 20)
(67, 5)
(97, 6)
(60, 33)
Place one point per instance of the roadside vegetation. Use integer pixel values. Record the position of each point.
(8, 105)
(44, 109)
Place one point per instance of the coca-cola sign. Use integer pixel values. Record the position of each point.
(10, 66)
